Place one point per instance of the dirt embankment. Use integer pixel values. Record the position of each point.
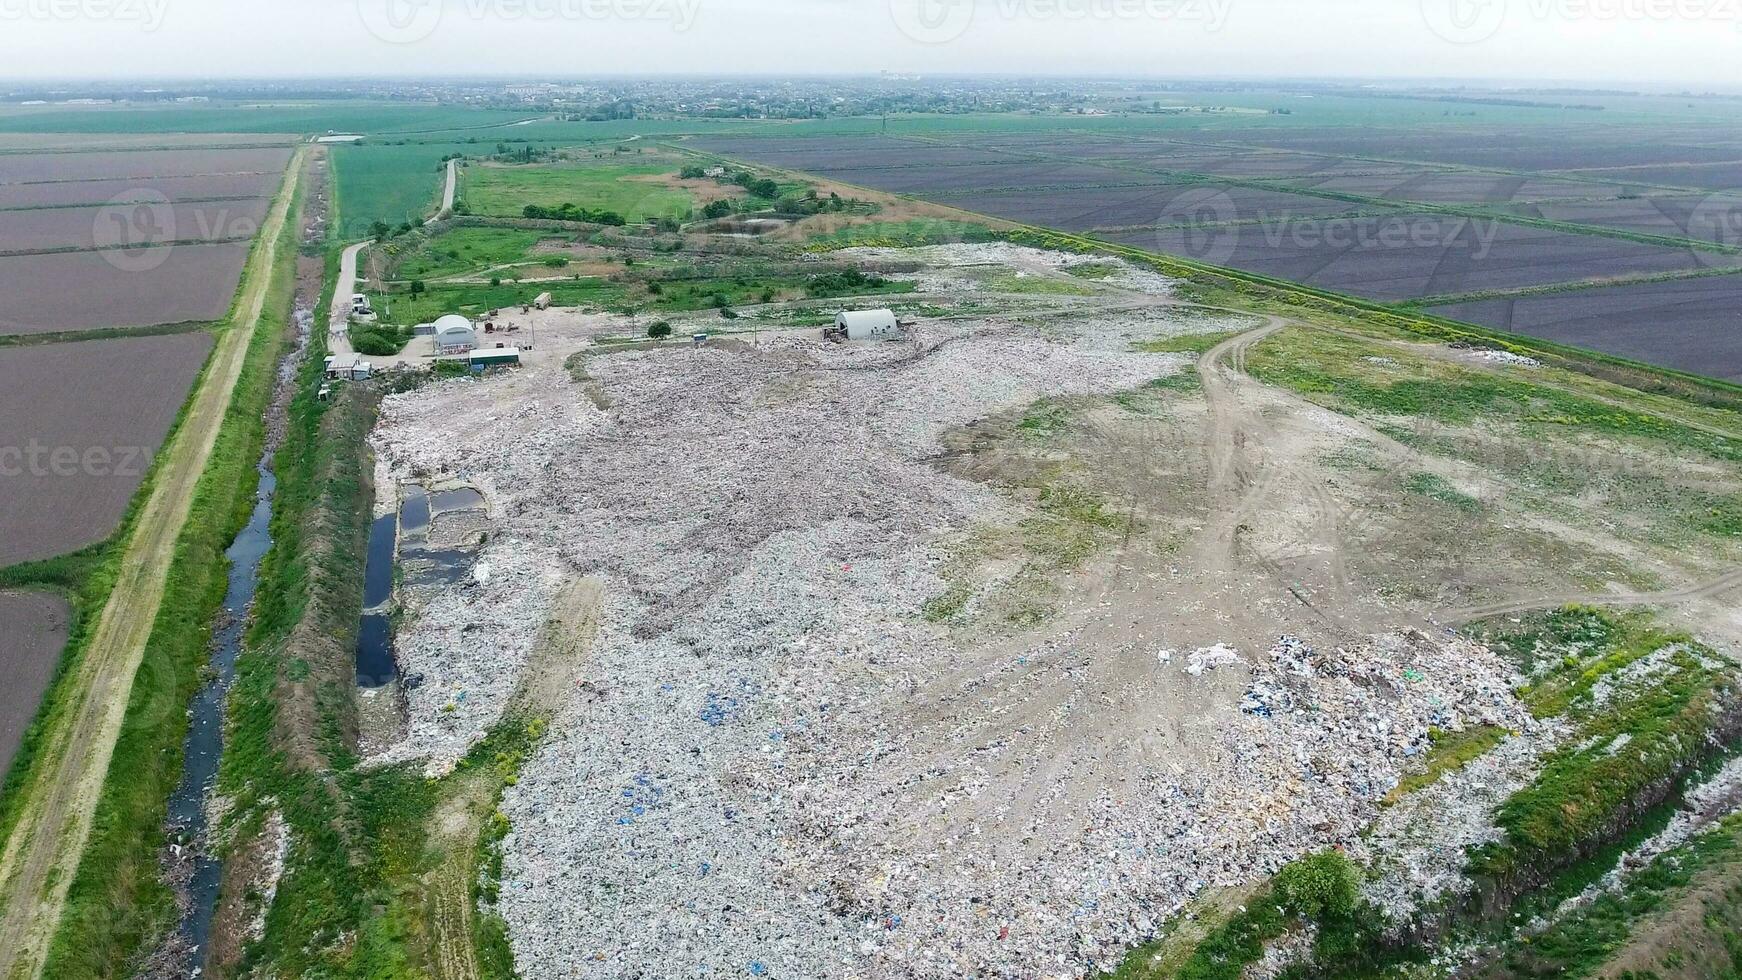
(335, 539)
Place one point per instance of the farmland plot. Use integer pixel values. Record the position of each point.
(1459, 188)
(35, 627)
(1692, 325)
(1417, 255)
(84, 420)
(1675, 216)
(1257, 164)
(1711, 177)
(99, 227)
(1507, 148)
(508, 190)
(86, 290)
(1162, 206)
(1084, 148)
(24, 168)
(74, 193)
(37, 142)
(927, 179)
(821, 154)
(1048, 174)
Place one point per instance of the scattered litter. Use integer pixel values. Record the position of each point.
(1507, 357)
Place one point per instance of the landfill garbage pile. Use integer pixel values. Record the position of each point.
(1418, 849)
(1032, 853)
(938, 260)
(771, 765)
(466, 642)
(1507, 357)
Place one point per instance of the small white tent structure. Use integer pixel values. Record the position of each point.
(454, 334)
(867, 325)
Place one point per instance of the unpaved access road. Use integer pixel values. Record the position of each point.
(1704, 590)
(42, 854)
(448, 193)
(338, 314)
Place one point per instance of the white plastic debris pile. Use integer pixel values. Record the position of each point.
(1507, 357)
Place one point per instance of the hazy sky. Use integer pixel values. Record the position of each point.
(1601, 41)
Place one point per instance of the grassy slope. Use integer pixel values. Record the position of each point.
(1682, 912)
(353, 899)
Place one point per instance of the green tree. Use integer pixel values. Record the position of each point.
(1318, 886)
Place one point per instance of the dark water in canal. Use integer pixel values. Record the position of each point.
(205, 739)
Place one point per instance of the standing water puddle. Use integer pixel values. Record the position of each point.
(400, 541)
(375, 667)
(205, 739)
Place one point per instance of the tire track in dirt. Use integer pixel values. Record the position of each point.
(1242, 478)
(1706, 590)
(1235, 485)
(42, 854)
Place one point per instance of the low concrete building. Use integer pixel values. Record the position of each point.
(488, 357)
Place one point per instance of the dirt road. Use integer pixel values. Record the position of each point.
(346, 286)
(1705, 590)
(43, 852)
(448, 194)
(1243, 477)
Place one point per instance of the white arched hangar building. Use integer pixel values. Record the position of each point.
(454, 334)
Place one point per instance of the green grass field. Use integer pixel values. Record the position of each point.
(476, 300)
(464, 251)
(389, 183)
(506, 191)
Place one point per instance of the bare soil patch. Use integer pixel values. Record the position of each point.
(35, 626)
(87, 291)
(94, 227)
(24, 168)
(93, 192)
(84, 421)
